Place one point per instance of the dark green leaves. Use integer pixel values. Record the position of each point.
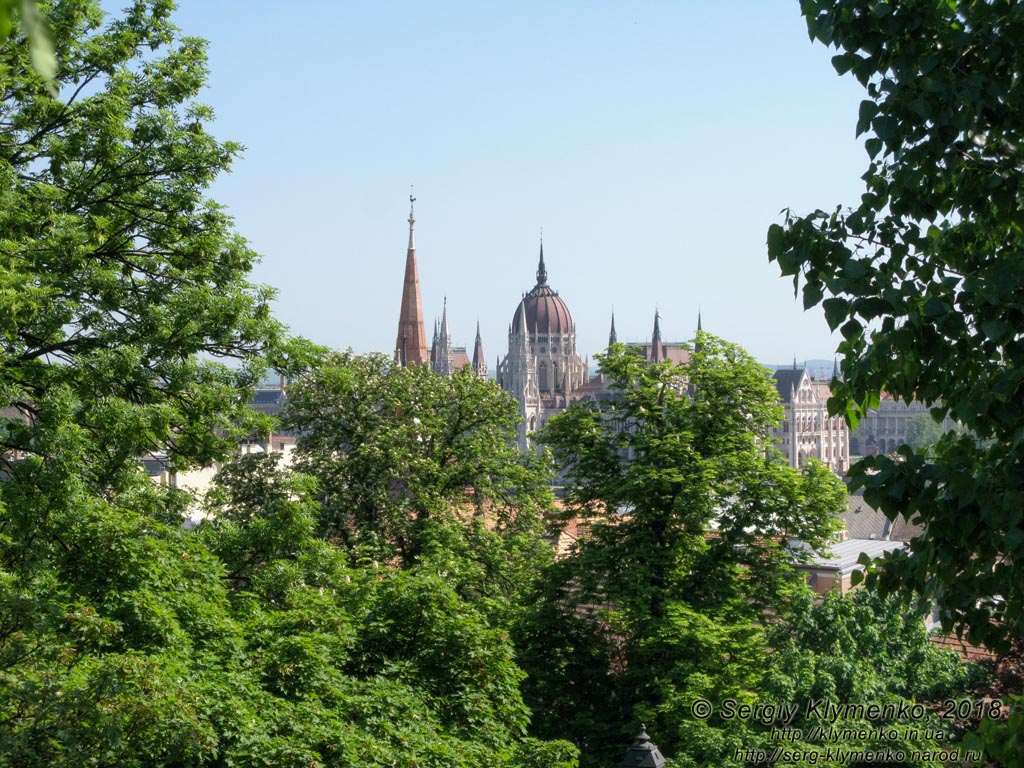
(934, 312)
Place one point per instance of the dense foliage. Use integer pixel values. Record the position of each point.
(924, 280)
(393, 602)
(687, 512)
(249, 641)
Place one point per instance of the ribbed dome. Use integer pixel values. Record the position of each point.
(545, 312)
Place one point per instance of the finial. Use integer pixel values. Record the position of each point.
(542, 272)
(412, 218)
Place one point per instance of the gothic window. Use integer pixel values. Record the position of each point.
(542, 375)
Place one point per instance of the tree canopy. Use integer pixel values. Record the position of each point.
(687, 511)
(924, 279)
(249, 641)
(413, 466)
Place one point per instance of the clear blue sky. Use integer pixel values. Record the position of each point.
(654, 142)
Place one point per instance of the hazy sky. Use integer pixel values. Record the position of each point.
(654, 143)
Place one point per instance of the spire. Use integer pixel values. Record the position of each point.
(411, 341)
(479, 363)
(542, 272)
(612, 337)
(699, 326)
(656, 356)
(442, 361)
(794, 362)
(523, 337)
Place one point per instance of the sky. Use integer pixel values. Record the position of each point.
(653, 143)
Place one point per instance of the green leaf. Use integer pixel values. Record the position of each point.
(776, 241)
(812, 295)
(44, 61)
(844, 62)
(836, 311)
(996, 330)
(868, 110)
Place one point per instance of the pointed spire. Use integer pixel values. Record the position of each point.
(411, 341)
(794, 362)
(524, 332)
(656, 351)
(479, 363)
(542, 272)
(699, 326)
(612, 336)
(443, 362)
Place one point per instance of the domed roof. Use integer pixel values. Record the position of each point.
(545, 311)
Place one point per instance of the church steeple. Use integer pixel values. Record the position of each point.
(411, 342)
(612, 336)
(479, 363)
(443, 362)
(656, 351)
(699, 326)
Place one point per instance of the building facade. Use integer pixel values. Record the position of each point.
(884, 429)
(542, 369)
(807, 431)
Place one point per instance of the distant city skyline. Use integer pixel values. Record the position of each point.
(654, 144)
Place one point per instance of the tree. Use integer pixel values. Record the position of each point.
(345, 666)
(40, 46)
(924, 280)
(413, 467)
(689, 510)
(120, 286)
(124, 639)
(923, 432)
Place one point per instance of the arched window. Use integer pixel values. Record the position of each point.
(542, 376)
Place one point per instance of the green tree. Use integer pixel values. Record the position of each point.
(125, 640)
(689, 511)
(353, 666)
(34, 26)
(923, 432)
(120, 286)
(924, 280)
(415, 467)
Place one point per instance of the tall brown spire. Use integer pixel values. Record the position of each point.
(411, 344)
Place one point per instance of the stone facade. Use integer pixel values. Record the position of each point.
(542, 369)
(884, 429)
(807, 431)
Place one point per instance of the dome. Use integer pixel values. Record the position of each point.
(545, 312)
